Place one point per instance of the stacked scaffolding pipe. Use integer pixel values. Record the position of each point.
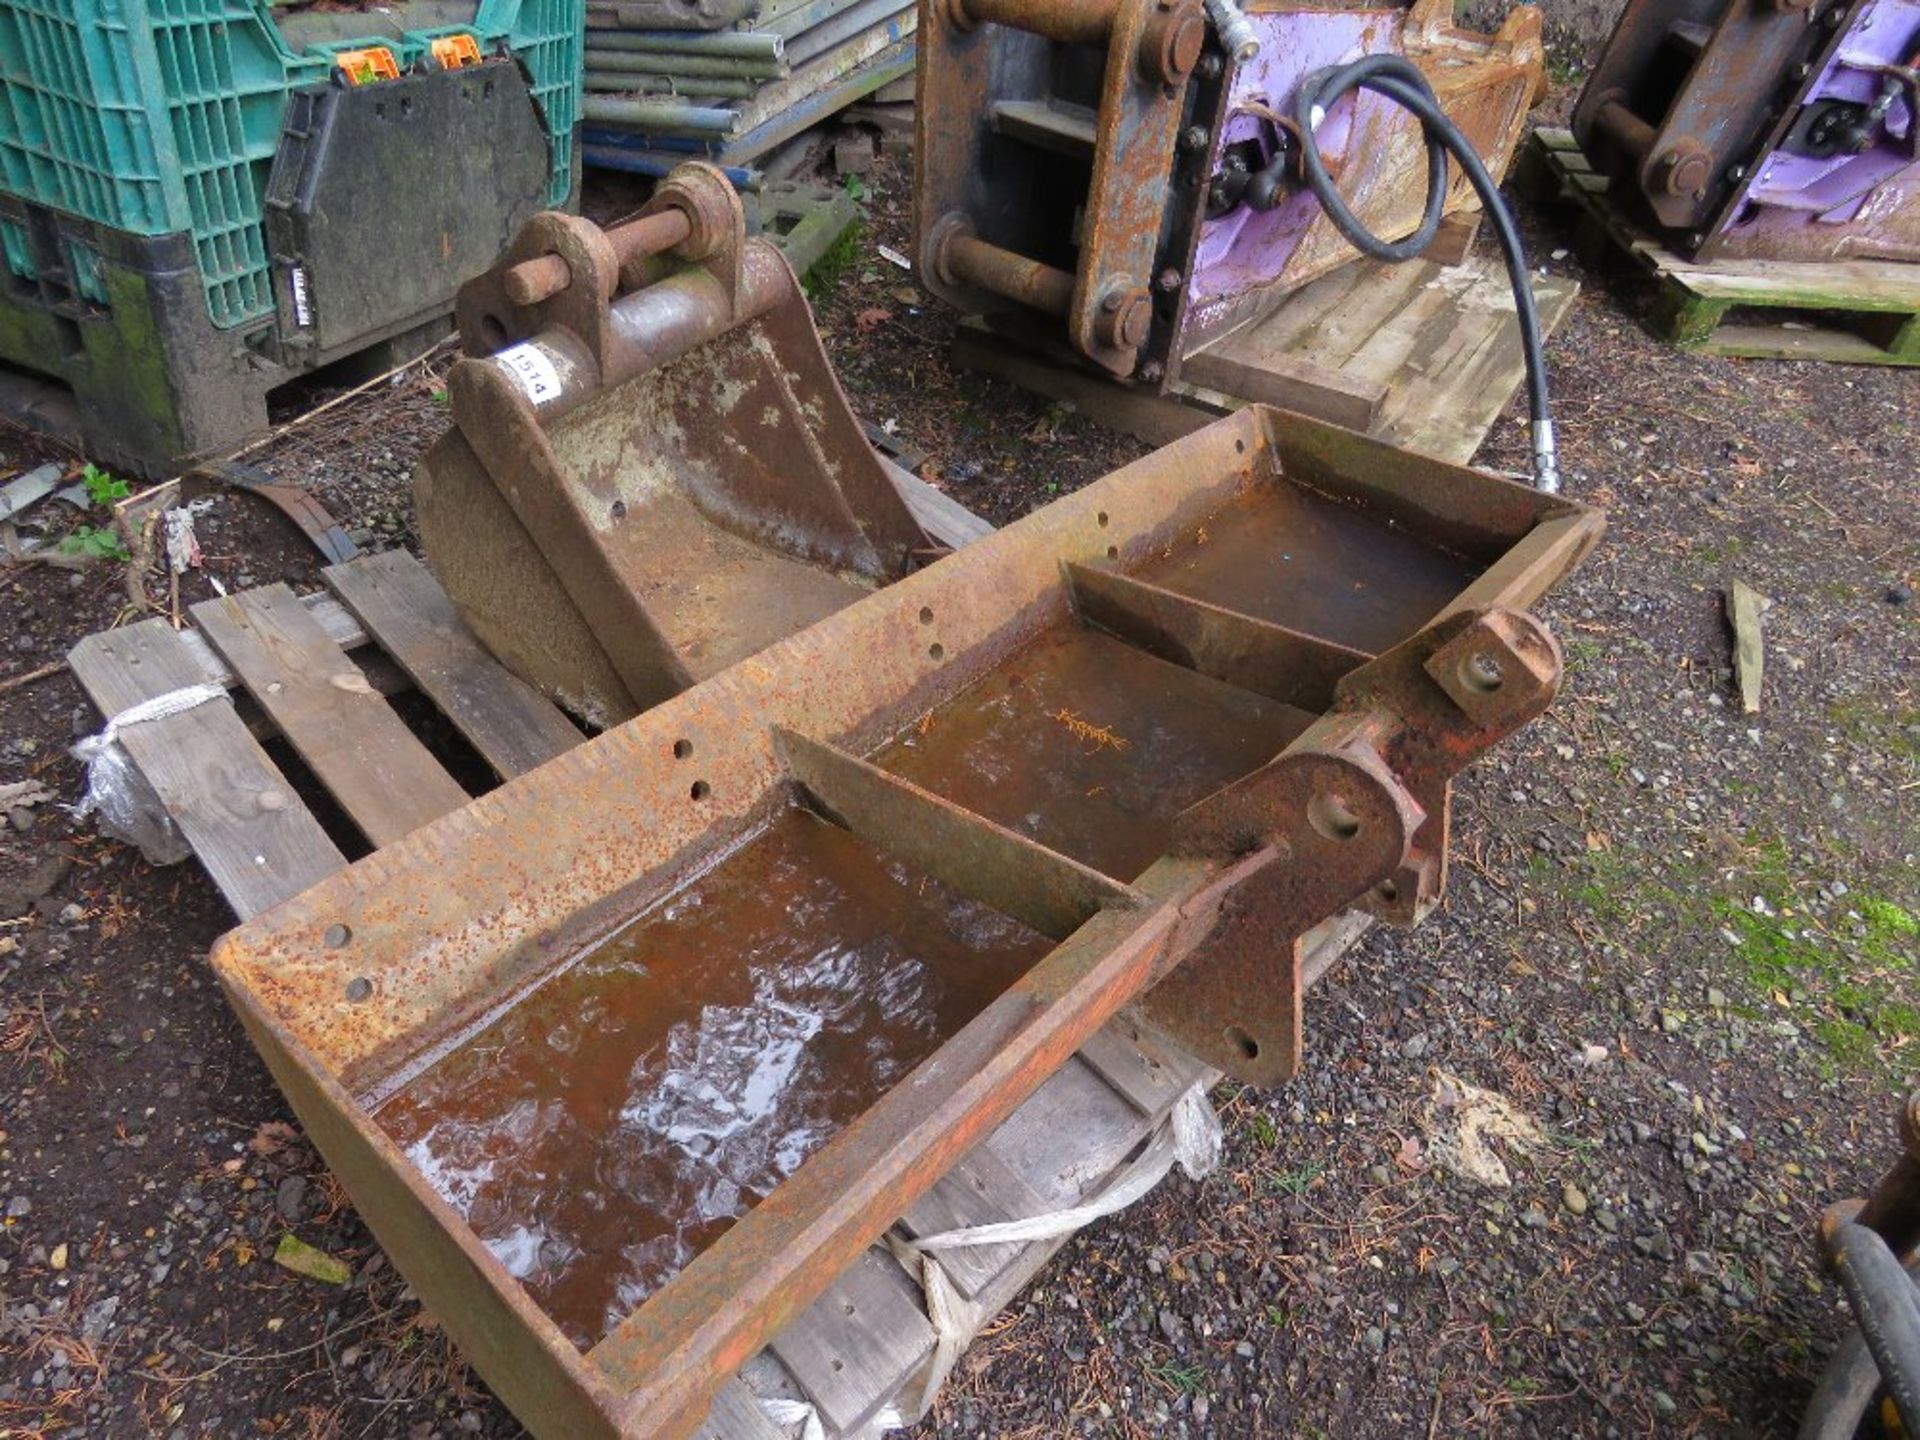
(733, 94)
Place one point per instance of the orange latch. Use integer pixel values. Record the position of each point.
(364, 67)
(456, 52)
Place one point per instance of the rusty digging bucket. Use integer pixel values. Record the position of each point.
(624, 1062)
(654, 472)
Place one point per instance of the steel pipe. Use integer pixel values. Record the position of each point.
(532, 281)
(966, 260)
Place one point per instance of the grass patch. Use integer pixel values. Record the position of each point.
(1846, 976)
(822, 282)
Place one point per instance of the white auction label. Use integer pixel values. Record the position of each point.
(533, 368)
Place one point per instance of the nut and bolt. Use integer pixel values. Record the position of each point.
(1168, 281)
(1195, 137)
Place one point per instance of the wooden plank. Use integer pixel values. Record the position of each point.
(1155, 419)
(1453, 241)
(736, 1415)
(1777, 342)
(1445, 407)
(981, 1190)
(1150, 1075)
(940, 515)
(1292, 383)
(512, 725)
(1745, 607)
(256, 839)
(382, 776)
(343, 627)
(853, 1347)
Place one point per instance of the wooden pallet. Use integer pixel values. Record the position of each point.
(315, 671)
(1423, 355)
(1855, 312)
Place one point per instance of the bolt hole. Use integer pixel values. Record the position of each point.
(1243, 1042)
(926, 614)
(937, 651)
(1103, 519)
(847, 1306)
(336, 936)
(838, 1366)
(1239, 447)
(1113, 552)
(683, 749)
(1481, 671)
(618, 509)
(700, 790)
(1330, 816)
(493, 333)
(359, 988)
(1389, 891)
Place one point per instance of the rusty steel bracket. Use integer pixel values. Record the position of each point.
(1075, 159)
(653, 472)
(1345, 816)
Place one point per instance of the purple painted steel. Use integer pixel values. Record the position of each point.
(1839, 204)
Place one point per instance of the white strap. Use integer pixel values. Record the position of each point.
(1190, 1137)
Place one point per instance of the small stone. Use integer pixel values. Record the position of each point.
(1899, 594)
(1376, 1339)
(1575, 1199)
(1533, 1217)
(290, 1199)
(58, 1259)
(20, 818)
(1663, 1402)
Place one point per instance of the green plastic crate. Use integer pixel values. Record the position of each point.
(161, 117)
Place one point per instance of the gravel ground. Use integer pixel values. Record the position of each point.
(1676, 969)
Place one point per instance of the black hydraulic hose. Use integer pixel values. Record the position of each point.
(1887, 1308)
(1401, 81)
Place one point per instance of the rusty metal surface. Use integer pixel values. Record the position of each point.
(647, 423)
(347, 986)
(1086, 139)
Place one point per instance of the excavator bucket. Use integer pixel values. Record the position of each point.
(653, 472)
(1097, 164)
(626, 1061)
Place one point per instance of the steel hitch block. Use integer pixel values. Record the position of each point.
(626, 1061)
(1763, 129)
(1107, 167)
(653, 472)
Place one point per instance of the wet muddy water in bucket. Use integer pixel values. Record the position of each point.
(1091, 746)
(1315, 565)
(617, 1120)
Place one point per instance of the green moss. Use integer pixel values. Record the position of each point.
(823, 280)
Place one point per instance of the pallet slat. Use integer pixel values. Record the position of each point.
(849, 1348)
(981, 1190)
(257, 840)
(512, 725)
(384, 778)
(736, 1415)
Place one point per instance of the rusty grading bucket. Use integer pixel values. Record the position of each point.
(627, 1060)
(1098, 164)
(654, 472)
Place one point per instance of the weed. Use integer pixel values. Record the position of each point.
(94, 543)
(1294, 1182)
(1262, 1128)
(1190, 1379)
(103, 488)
